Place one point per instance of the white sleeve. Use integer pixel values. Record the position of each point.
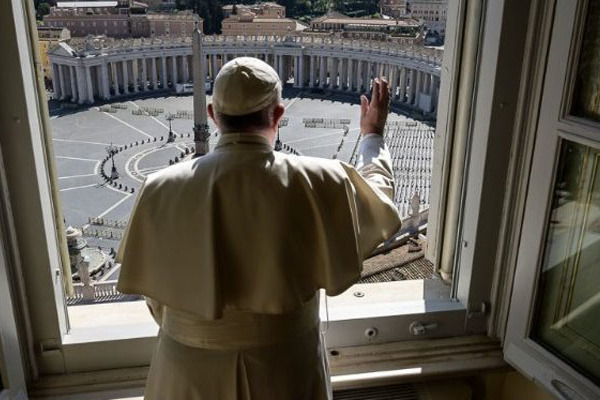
(375, 164)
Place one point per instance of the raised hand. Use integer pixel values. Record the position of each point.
(373, 114)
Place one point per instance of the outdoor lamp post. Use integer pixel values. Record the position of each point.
(112, 150)
(171, 137)
(278, 145)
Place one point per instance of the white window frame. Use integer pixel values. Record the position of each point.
(63, 350)
(525, 354)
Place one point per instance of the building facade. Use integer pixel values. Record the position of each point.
(118, 19)
(164, 24)
(82, 18)
(48, 38)
(247, 25)
(393, 8)
(404, 30)
(431, 12)
(260, 10)
(85, 71)
(258, 19)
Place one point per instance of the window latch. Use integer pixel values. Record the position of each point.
(417, 328)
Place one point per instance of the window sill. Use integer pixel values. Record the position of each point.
(122, 335)
(96, 323)
(353, 367)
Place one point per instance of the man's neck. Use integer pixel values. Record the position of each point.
(270, 136)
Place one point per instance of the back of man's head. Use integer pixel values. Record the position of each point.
(245, 94)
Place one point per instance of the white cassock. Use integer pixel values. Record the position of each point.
(230, 250)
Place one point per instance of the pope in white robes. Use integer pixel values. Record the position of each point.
(230, 249)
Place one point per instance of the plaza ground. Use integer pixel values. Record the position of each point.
(80, 138)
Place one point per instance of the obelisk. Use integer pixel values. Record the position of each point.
(201, 131)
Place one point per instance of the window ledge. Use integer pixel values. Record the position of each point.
(132, 320)
(413, 361)
(353, 367)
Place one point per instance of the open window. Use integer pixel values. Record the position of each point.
(462, 229)
(552, 334)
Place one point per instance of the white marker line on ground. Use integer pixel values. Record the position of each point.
(325, 145)
(143, 154)
(76, 158)
(293, 100)
(76, 176)
(321, 136)
(117, 204)
(78, 187)
(152, 169)
(84, 142)
(128, 125)
(156, 119)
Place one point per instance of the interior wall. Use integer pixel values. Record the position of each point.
(508, 385)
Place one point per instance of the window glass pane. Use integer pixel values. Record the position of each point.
(587, 91)
(568, 307)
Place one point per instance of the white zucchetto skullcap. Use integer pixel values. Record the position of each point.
(245, 85)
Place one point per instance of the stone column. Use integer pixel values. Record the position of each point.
(296, 71)
(300, 70)
(115, 78)
(345, 78)
(63, 81)
(89, 86)
(411, 87)
(81, 84)
(125, 77)
(144, 80)
(280, 68)
(360, 87)
(104, 78)
(393, 77)
(55, 81)
(350, 69)
(435, 91)
(402, 84)
(74, 93)
(418, 88)
(215, 68)
(331, 72)
(174, 72)
(323, 72)
(186, 73)
(154, 73)
(135, 73)
(313, 68)
(164, 80)
(368, 76)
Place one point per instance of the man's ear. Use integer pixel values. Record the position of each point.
(211, 112)
(278, 113)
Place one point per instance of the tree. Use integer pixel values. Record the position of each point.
(43, 9)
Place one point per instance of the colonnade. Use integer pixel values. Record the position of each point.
(413, 81)
(115, 78)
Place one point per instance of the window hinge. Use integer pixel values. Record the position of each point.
(50, 348)
(478, 311)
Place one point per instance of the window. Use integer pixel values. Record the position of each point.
(461, 244)
(552, 330)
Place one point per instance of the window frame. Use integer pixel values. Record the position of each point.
(525, 354)
(466, 314)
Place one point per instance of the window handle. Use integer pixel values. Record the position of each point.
(417, 328)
